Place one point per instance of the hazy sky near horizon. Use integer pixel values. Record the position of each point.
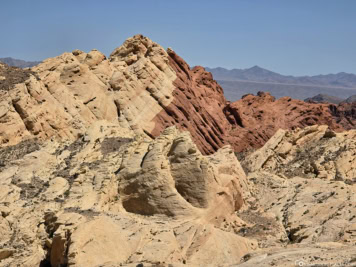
(295, 37)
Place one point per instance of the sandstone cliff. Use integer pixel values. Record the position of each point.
(146, 89)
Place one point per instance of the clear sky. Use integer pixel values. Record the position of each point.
(297, 37)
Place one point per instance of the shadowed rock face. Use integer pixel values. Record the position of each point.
(197, 106)
(146, 89)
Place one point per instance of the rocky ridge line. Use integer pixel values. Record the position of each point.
(146, 89)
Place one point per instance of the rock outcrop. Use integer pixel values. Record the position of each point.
(123, 162)
(146, 89)
(262, 115)
(113, 197)
(313, 152)
(303, 183)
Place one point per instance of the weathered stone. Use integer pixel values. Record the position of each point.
(82, 203)
(146, 89)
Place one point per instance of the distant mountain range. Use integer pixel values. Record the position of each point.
(322, 98)
(238, 82)
(351, 99)
(19, 63)
(332, 88)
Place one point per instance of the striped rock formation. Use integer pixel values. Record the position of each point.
(146, 89)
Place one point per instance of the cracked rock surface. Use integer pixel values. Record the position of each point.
(116, 198)
(304, 199)
(113, 197)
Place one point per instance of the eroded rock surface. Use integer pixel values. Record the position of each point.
(146, 89)
(303, 183)
(312, 152)
(114, 197)
(74, 90)
(93, 174)
(261, 116)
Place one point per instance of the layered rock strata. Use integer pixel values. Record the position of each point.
(146, 89)
(93, 174)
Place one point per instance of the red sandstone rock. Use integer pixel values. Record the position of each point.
(200, 107)
(145, 89)
(261, 116)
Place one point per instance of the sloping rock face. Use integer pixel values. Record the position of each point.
(92, 174)
(116, 198)
(303, 183)
(311, 152)
(76, 89)
(261, 116)
(141, 87)
(197, 106)
(146, 89)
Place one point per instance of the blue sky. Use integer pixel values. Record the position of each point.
(296, 37)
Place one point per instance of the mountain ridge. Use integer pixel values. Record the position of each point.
(134, 154)
(147, 88)
(13, 62)
(320, 98)
(238, 82)
(350, 99)
(257, 73)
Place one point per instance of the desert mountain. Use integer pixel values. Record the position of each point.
(18, 62)
(145, 89)
(255, 73)
(129, 161)
(350, 99)
(259, 74)
(322, 98)
(237, 82)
